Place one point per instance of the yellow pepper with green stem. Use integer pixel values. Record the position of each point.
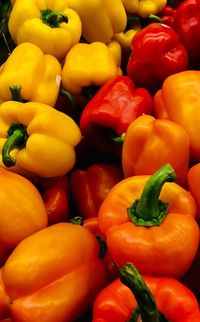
(37, 74)
(89, 64)
(50, 25)
(36, 139)
(101, 19)
(144, 8)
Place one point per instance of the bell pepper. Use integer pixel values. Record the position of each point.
(193, 179)
(100, 19)
(41, 84)
(4, 300)
(167, 16)
(178, 100)
(54, 275)
(55, 194)
(89, 187)
(116, 104)
(144, 8)
(149, 143)
(92, 225)
(86, 65)
(50, 25)
(22, 211)
(154, 299)
(149, 220)
(149, 67)
(36, 139)
(186, 24)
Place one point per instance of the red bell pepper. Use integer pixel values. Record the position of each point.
(186, 24)
(167, 16)
(55, 194)
(154, 299)
(156, 53)
(89, 187)
(116, 104)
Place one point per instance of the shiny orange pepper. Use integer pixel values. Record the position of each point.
(92, 225)
(149, 221)
(22, 211)
(179, 100)
(54, 275)
(149, 143)
(193, 178)
(89, 187)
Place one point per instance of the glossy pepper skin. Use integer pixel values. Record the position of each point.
(116, 104)
(92, 224)
(149, 67)
(167, 16)
(120, 300)
(186, 24)
(178, 100)
(100, 19)
(55, 194)
(81, 69)
(50, 25)
(90, 186)
(193, 178)
(144, 8)
(41, 84)
(22, 211)
(151, 234)
(36, 139)
(146, 139)
(63, 258)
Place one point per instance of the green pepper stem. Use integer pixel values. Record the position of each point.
(71, 98)
(154, 17)
(53, 18)
(17, 137)
(78, 220)
(16, 93)
(146, 303)
(119, 139)
(149, 210)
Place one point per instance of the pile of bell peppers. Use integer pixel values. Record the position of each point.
(99, 161)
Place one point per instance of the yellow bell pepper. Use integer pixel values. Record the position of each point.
(38, 75)
(88, 64)
(115, 49)
(144, 8)
(48, 24)
(37, 139)
(100, 18)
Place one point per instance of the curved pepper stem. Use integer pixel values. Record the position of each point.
(16, 93)
(154, 17)
(53, 18)
(17, 137)
(147, 308)
(149, 210)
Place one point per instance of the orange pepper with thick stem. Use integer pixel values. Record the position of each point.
(149, 221)
(54, 275)
(149, 143)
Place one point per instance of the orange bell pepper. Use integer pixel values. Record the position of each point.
(22, 211)
(54, 275)
(89, 187)
(149, 221)
(193, 178)
(92, 225)
(149, 143)
(4, 300)
(179, 100)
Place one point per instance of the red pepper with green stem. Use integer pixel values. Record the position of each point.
(153, 299)
(157, 52)
(108, 114)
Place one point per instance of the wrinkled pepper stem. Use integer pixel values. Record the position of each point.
(53, 18)
(149, 210)
(16, 93)
(17, 137)
(147, 308)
